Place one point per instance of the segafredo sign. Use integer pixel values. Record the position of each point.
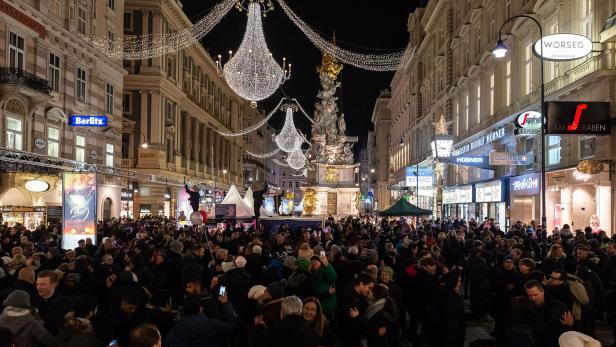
(563, 47)
(528, 123)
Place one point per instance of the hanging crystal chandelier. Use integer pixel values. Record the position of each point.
(252, 72)
(289, 138)
(297, 159)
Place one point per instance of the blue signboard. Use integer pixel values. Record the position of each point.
(87, 121)
(480, 161)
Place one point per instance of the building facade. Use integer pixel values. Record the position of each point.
(49, 73)
(175, 103)
(379, 153)
(452, 73)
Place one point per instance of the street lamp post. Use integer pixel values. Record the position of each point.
(499, 52)
(224, 174)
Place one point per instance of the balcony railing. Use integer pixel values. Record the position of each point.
(19, 76)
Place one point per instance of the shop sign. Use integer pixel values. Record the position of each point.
(505, 158)
(525, 185)
(458, 195)
(528, 123)
(79, 201)
(594, 222)
(39, 143)
(87, 121)
(561, 47)
(578, 118)
(489, 191)
(490, 137)
(480, 161)
(126, 195)
(425, 177)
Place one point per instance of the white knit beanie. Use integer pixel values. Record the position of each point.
(575, 339)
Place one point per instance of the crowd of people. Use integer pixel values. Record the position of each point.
(355, 281)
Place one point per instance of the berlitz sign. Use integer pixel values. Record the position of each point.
(563, 47)
(87, 121)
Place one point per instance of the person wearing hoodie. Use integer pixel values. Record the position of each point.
(196, 329)
(18, 317)
(77, 331)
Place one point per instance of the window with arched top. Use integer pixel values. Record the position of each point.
(107, 204)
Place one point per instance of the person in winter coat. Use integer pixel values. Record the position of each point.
(550, 318)
(316, 320)
(193, 196)
(77, 331)
(196, 329)
(447, 313)
(292, 329)
(353, 304)
(554, 260)
(18, 317)
(503, 287)
(325, 284)
(237, 283)
(379, 319)
(476, 271)
(51, 305)
(301, 281)
(519, 331)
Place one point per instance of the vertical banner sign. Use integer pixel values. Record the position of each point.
(79, 201)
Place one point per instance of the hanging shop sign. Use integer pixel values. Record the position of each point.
(578, 118)
(126, 194)
(87, 121)
(489, 191)
(561, 47)
(425, 177)
(528, 123)
(490, 137)
(39, 143)
(505, 158)
(525, 184)
(480, 161)
(79, 201)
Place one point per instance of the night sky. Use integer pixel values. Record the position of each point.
(358, 24)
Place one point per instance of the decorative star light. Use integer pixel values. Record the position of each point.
(441, 127)
(252, 72)
(289, 138)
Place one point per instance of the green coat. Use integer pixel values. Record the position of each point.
(325, 278)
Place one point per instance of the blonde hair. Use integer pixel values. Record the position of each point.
(552, 252)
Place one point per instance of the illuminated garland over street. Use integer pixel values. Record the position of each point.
(266, 155)
(252, 127)
(137, 47)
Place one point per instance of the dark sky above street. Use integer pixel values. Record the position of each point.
(358, 24)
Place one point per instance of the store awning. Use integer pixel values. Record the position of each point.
(404, 208)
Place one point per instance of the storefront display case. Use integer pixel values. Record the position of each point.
(30, 217)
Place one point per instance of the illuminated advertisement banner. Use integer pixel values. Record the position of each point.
(79, 201)
(578, 118)
(506, 158)
(559, 47)
(87, 121)
(479, 161)
(425, 177)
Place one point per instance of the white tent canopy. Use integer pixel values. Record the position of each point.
(249, 199)
(242, 210)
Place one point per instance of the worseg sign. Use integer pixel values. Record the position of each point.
(562, 47)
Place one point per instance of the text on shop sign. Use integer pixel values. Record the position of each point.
(482, 141)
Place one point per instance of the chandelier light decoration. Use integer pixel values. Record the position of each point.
(252, 71)
(136, 47)
(374, 62)
(289, 139)
(280, 163)
(297, 159)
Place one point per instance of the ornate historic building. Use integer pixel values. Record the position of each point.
(49, 73)
(174, 103)
(452, 73)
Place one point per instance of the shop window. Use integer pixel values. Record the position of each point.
(14, 133)
(109, 154)
(53, 142)
(107, 209)
(80, 148)
(588, 147)
(553, 150)
(54, 72)
(16, 51)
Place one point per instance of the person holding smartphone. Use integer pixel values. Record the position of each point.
(325, 283)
